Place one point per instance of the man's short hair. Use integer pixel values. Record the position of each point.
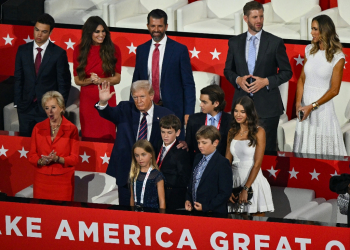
(208, 132)
(158, 14)
(142, 84)
(215, 94)
(46, 19)
(169, 122)
(253, 5)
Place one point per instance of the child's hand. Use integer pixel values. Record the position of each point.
(183, 145)
(198, 206)
(232, 198)
(188, 206)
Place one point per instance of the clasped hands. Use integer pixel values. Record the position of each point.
(242, 198)
(95, 79)
(306, 109)
(46, 160)
(197, 206)
(253, 87)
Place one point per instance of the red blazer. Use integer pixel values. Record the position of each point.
(66, 145)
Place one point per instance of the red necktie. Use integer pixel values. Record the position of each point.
(155, 73)
(38, 60)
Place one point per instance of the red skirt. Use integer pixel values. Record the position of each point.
(54, 187)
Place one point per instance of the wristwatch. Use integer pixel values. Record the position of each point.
(315, 105)
(245, 188)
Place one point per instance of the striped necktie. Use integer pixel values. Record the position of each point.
(143, 128)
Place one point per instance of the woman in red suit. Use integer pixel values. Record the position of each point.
(54, 151)
(96, 59)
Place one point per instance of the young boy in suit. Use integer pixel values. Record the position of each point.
(210, 185)
(174, 163)
(212, 104)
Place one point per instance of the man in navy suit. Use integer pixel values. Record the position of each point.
(166, 64)
(134, 120)
(41, 66)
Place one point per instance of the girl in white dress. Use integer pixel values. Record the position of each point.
(318, 132)
(245, 149)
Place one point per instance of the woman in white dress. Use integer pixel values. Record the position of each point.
(245, 149)
(318, 132)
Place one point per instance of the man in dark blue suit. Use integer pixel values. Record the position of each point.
(134, 120)
(166, 65)
(40, 66)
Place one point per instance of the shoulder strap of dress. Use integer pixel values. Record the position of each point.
(258, 127)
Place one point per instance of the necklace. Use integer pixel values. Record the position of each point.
(241, 133)
(54, 129)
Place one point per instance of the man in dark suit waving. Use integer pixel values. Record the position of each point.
(166, 64)
(135, 121)
(40, 66)
(256, 64)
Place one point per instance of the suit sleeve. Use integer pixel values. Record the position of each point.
(187, 83)
(73, 158)
(190, 135)
(18, 77)
(225, 183)
(111, 113)
(183, 169)
(285, 71)
(63, 75)
(230, 66)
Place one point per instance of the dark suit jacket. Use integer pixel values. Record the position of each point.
(177, 85)
(66, 144)
(215, 186)
(127, 117)
(53, 74)
(198, 120)
(176, 168)
(271, 57)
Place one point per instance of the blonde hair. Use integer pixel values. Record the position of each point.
(328, 37)
(135, 168)
(53, 95)
(142, 84)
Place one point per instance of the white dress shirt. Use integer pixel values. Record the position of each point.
(43, 47)
(161, 48)
(168, 147)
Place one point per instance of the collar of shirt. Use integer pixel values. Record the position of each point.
(169, 146)
(208, 157)
(216, 118)
(150, 113)
(257, 35)
(44, 46)
(163, 41)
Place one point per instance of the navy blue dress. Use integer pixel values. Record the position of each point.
(151, 192)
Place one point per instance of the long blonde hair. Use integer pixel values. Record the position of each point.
(136, 168)
(328, 37)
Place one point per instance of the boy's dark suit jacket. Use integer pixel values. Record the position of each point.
(215, 186)
(176, 168)
(198, 120)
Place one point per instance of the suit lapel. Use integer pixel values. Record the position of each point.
(264, 42)
(46, 59)
(30, 57)
(168, 155)
(169, 50)
(155, 124)
(241, 46)
(209, 167)
(135, 120)
(144, 59)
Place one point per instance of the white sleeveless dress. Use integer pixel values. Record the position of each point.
(320, 133)
(243, 161)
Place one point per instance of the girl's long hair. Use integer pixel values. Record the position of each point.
(328, 37)
(107, 50)
(252, 120)
(135, 168)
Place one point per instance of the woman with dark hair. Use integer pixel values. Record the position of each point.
(318, 130)
(245, 149)
(96, 59)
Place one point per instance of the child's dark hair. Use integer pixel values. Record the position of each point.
(216, 94)
(169, 122)
(46, 19)
(208, 132)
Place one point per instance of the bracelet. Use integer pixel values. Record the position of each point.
(40, 162)
(315, 105)
(245, 188)
(58, 159)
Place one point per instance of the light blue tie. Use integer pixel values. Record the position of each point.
(212, 121)
(251, 56)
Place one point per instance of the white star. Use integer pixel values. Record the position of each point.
(51, 40)
(23, 153)
(272, 171)
(293, 173)
(28, 40)
(335, 173)
(85, 157)
(3, 151)
(69, 44)
(299, 60)
(315, 175)
(132, 48)
(194, 52)
(8, 39)
(215, 54)
(105, 159)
